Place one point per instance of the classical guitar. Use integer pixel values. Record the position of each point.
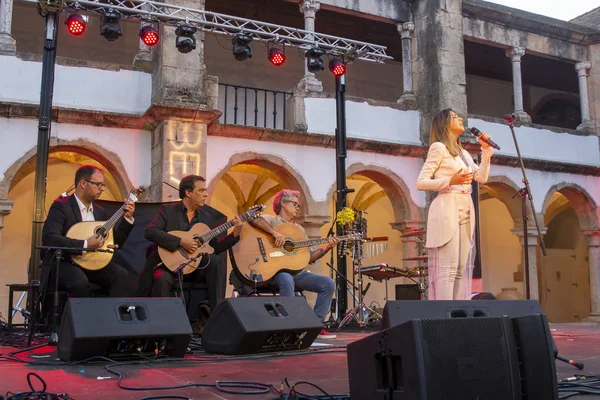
(257, 260)
(202, 234)
(93, 260)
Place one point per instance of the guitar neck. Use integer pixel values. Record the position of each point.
(108, 225)
(315, 242)
(208, 236)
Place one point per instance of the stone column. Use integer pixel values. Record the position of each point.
(309, 83)
(532, 244)
(312, 224)
(439, 60)
(178, 149)
(593, 237)
(412, 246)
(515, 55)
(5, 209)
(8, 45)
(408, 98)
(582, 72)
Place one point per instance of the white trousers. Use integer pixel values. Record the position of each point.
(448, 264)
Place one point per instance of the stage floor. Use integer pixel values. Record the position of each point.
(324, 365)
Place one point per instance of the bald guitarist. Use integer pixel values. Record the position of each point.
(286, 205)
(66, 212)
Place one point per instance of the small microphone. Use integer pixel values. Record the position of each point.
(510, 117)
(66, 193)
(477, 133)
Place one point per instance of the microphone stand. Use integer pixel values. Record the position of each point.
(58, 254)
(526, 193)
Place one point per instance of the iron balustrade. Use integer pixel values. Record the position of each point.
(251, 106)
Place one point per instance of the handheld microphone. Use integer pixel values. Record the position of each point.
(510, 117)
(477, 133)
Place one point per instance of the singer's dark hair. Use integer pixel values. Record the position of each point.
(187, 183)
(85, 173)
(440, 132)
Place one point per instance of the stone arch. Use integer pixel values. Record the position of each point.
(405, 209)
(107, 159)
(568, 106)
(581, 201)
(289, 176)
(504, 189)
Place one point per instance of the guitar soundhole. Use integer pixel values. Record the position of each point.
(288, 246)
(98, 231)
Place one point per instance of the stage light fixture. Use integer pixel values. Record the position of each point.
(75, 24)
(149, 35)
(314, 62)
(337, 66)
(185, 40)
(110, 25)
(241, 46)
(276, 56)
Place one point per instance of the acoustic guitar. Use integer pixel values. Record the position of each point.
(202, 234)
(257, 260)
(93, 260)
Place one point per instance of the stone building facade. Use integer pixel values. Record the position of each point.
(149, 116)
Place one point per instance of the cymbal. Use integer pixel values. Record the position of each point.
(417, 258)
(415, 233)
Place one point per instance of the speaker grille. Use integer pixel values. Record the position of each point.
(469, 358)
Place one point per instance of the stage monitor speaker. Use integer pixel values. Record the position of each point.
(398, 312)
(535, 346)
(408, 292)
(247, 325)
(437, 359)
(123, 327)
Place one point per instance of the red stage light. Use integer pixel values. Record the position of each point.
(337, 67)
(149, 35)
(276, 57)
(75, 24)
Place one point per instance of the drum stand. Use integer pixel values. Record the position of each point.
(361, 313)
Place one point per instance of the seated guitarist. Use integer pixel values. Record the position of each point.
(286, 205)
(159, 281)
(66, 212)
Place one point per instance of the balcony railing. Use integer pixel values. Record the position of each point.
(250, 106)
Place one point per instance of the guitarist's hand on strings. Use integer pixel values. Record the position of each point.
(332, 242)
(95, 242)
(237, 227)
(189, 244)
(279, 239)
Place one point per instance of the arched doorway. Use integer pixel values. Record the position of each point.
(565, 272)
(16, 234)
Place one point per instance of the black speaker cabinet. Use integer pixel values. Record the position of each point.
(246, 325)
(122, 327)
(437, 359)
(398, 312)
(406, 360)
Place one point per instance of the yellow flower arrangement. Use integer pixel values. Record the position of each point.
(345, 217)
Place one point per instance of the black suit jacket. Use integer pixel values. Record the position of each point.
(63, 214)
(172, 217)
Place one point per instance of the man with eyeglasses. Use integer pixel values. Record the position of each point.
(66, 212)
(286, 205)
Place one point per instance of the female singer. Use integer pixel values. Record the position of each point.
(449, 170)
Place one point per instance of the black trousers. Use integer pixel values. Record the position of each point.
(165, 282)
(75, 280)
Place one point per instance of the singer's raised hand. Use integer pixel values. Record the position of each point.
(482, 140)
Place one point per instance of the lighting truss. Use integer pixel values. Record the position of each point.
(229, 25)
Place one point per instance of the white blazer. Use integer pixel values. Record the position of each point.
(439, 168)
